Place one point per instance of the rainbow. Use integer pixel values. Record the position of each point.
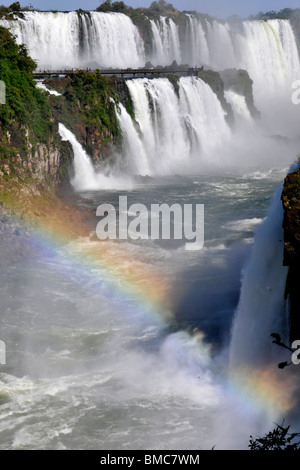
(264, 387)
(127, 277)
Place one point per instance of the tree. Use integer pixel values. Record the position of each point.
(15, 6)
(161, 5)
(286, 13)
(115, 6)
(277, 340)
(105, 6)
(278, 439)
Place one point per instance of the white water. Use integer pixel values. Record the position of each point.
(239, 107)
(262, 308)
(196, 51)
(43, 87)
(101, 367)
(66, 40)
(166, 44)
(267, 50)
(176, 133)
(85, 176)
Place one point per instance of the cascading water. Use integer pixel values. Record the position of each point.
(178, 133)
(172, 133)
(266, 49)
(262, 294)
(221, 46)
(196, 51)
(269, 52)
(66, 40)
(43, 87)
(85, 176)
(166, 44)
(239, 106)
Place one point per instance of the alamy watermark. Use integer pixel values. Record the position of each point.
(294, 349)
(2, 353)
(296, 354)
(160, 222)
(2, 92)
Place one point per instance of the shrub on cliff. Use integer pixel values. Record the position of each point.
(161, 6)
(25, 104)
(284, 14)
(277, 439)
(118, 7)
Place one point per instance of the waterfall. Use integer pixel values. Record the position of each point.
(269, 52)
(262, 308)
(196, 46)
(66, 40)
(137, 161)
(221, 47)
(239, 107)
(84, 173)
(177, 132)
(43, 87)
(266, 49)
(85, 176)
(166, 44)
(173, 132)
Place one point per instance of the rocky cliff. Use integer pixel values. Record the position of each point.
(30, 146)
(291, 225)
(87, 108)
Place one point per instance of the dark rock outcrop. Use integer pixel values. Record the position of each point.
(291, 225)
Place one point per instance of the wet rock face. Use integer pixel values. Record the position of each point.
(23, 156)
(291, 225)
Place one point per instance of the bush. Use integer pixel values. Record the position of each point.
(25, 104)
(278, 439)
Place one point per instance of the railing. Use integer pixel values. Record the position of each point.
(125, 73)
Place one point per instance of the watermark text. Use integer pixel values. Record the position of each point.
(160, 222)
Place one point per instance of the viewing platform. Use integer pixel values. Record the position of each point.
(122, 73)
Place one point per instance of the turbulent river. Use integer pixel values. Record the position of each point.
(91, 366)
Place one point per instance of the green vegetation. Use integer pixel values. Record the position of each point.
(90, 94)
(291, 191)
(278, 439)
(174, 79)
(285, 14)
(13, 8)
(87, 107)
(28, 133)
(160, 6)
(129, 106)
(25, 104)
(119, 7)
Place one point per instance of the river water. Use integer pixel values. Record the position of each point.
(91, 366)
